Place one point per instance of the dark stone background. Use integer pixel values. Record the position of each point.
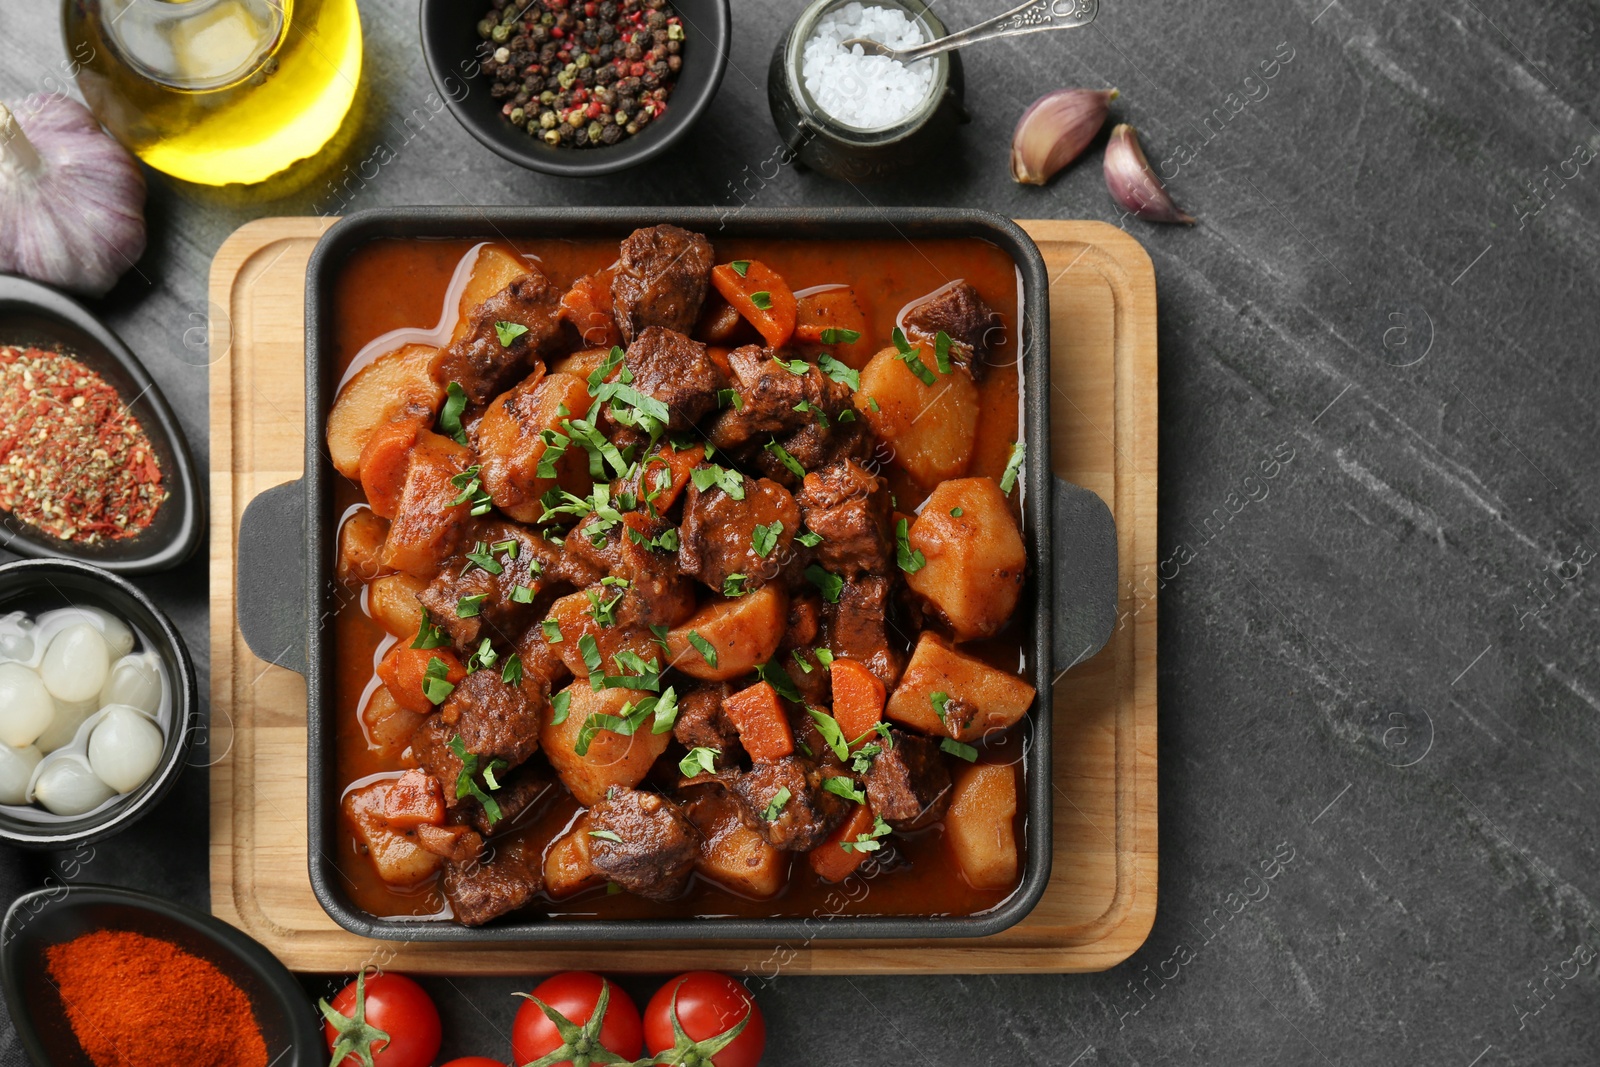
(1386, 665)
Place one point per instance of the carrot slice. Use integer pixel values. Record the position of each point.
(405, 669)
(763, 728)
(761, 296)
(858, 697)
(412, 800)
(830, 859)
(587, 305)
(384, 462)
(832, 309)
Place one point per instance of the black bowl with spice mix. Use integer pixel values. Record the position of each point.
(577, 87)
(93, 465)
(158, 976)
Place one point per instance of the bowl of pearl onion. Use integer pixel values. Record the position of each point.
(97, 703)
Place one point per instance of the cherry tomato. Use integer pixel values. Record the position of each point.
(474, 1061)
(575, 994)
(707, 1004)
(392, 1004)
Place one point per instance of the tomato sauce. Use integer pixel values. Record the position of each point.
(390, 284)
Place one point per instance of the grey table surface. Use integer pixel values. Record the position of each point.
(1380, 663)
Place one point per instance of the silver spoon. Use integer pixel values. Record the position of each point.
(1031, 17)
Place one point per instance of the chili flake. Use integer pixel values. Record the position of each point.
(74, 462)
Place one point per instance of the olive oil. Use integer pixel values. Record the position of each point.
(217, 91)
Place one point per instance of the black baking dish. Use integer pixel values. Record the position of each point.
(287, 547)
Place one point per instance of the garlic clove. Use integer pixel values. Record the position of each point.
(1055, 129)
(1132, 182)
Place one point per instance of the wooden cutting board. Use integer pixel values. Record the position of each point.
(1101, 899)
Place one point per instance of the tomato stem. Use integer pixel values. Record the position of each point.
(357, 1037)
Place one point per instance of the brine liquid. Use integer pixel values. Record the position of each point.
(217, 91)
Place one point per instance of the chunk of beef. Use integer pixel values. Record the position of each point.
(770, 395)
(480, 891)
(643, 842)
(857, 627)
(494, 720)
(430, 747)
(802, 812)
(908, 782)
(510, 601)
(460, 845)
(662, 276)
(628, 549)
(849, 506)
(814, 447)
(483, 366)
(540, 660)
(717, 537)
(972, 325)
(517, 795)
(702, 723)
(676, 371)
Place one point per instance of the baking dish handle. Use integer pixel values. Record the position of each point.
(271, 576)
(1083, 538)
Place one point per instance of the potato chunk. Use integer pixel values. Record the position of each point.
(573, 616)
(612, 759)
(743, 632)
(731, 854)
(980, 825)
(511, 445)
(394, 853)
(977, 698)
(397, 385)
(428, 521)
(388, 726)
(931, 428)
(361, 537)
(976, 560)
(567, 868)
(494, 269)
(392, 603)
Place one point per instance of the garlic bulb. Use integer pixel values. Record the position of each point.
(71, 198)
(1055, 130)
(1133, 184)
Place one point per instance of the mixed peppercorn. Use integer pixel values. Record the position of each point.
(582, 74)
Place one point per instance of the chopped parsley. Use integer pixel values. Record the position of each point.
(484, 656)
(511, 673)
(707, 650)
(872, 402)
(911, 560)
(606, 835)
(765, 538)
(455, 403)
(552, 632)
(555, 447)
(663, 708)
(589, 649)
(469, 606)
(840, 786)
(906, 353)
(483, 559)
(741, 267)
(801, 661)
(700, 760)
(830, 585)
(658, 635)
(610, 363)
(730, 398)
(776, 804)
(956, 513)
(828, 726)
(838, 371)
(429, 635)
(797, 367)
(787, 460)
(807, 407)
(869, 842)
(957, 749)
(560, 705)
(761, 299)
(773, 674)
(809, 538)
(710, 474)
(1008, 480)
(509, 332)
(733, 584)
(472, 492)
(838, 335)
(604, 612)
(466, 784)
(824, 656)
(522, 594)
(941, 351)
(436, 684)
(941, 702)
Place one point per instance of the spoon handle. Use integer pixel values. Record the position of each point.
(1031, 17)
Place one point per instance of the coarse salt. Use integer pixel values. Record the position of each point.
(861, 91)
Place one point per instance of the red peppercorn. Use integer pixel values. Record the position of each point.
(588, 10)
(593, 110)
(557, 32)
(637, 70)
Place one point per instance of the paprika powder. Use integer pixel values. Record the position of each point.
(137, 1001)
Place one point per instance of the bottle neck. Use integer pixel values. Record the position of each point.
(194, 44)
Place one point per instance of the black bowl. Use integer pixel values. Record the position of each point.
(35, 314)
(40, 585)
(451, 47)
(52, 916)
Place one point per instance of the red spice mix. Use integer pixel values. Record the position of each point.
(74, 462)
(137, 1001)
